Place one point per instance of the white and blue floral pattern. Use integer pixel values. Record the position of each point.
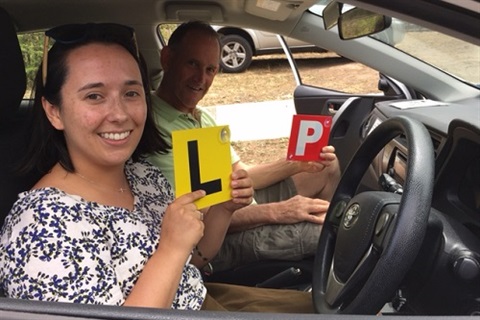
(58, 247)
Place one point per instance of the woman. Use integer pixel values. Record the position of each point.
(102, 225)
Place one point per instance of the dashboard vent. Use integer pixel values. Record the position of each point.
(437, 142)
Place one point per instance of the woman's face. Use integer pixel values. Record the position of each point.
(103, 108)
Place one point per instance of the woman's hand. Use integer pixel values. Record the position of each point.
(182, 225)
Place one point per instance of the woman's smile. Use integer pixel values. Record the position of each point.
(115, 135)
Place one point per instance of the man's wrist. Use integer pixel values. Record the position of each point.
(295, 167)
(276, 211)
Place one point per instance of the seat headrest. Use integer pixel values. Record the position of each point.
(12, 68)
(14, 129)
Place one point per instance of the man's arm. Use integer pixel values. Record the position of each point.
(266, 174)
(293, 210)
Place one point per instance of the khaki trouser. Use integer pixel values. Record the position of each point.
(269, 242)
(227, 297)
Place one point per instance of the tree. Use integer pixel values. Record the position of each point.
(32, 49)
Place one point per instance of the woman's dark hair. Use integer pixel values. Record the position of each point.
(47, 145)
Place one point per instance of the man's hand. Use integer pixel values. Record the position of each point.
(242, 191)
(300, 209)
(328, 157)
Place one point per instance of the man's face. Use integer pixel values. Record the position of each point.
(189, 70)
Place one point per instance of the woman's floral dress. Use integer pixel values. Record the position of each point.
(58, 247)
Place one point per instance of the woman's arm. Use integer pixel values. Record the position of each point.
(182, 228)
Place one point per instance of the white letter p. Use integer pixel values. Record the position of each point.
(306, 126)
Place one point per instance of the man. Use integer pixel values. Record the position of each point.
(286, 220)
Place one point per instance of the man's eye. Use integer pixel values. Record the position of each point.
(132, 94)
(93, 96)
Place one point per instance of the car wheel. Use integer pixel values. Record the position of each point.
(236, 54)
(370, 240)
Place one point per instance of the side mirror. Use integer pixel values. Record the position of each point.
(358, 22)
(331, 13)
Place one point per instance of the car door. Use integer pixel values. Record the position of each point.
(340, 97)
(349, 112)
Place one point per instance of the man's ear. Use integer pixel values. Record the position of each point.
(53, 114)
(165, 57)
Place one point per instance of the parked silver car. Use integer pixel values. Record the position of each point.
(240, 45)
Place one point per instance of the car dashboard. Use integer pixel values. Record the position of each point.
(448, 266)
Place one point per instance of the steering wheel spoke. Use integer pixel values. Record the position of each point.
(384, 228)
(338, 293)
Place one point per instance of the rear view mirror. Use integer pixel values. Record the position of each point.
(358, 22)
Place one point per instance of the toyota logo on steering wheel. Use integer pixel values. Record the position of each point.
(351, 216)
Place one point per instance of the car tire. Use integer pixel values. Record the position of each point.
(236, 54)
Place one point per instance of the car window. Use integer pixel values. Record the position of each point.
(165, 31)
(329, 70)
(269, 77)
(272, 73)
(32, 50)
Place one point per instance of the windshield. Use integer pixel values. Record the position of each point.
(462, 59)
(456, 57)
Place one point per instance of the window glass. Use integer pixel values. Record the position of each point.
(32, 50)
(269, 77)
(165, 30)
(331, 71)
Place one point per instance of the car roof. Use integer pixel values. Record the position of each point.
(280, 16)
(141, 12)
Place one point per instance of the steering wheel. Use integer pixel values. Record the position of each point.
(369, 240)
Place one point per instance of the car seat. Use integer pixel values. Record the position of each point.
(14, 116)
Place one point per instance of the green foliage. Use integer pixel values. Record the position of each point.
(32, 49)
(166, 30)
